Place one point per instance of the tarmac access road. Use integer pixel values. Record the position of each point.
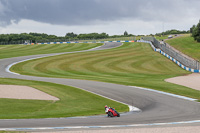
(156, 109)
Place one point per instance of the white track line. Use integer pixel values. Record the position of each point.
(165, 93)
(131, 108)
(109, 126)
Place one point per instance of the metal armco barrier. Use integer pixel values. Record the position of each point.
(175, 54)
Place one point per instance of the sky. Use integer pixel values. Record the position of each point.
(113, 17)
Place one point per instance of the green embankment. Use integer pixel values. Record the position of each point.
(7, 51)
(131, 64)
(73, 102)
(187, 45)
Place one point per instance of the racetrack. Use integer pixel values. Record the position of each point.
(156, 107)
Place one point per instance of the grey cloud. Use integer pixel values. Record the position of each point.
(83, 12)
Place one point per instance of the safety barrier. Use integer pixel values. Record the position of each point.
(182, 58)
(81, 42)
(170, 57)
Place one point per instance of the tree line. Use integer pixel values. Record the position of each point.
(42, 37)
(172, 32)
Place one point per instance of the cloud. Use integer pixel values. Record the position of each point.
(85, 16)
(83, 12)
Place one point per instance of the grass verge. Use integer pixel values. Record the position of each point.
(8, 51)
(73, 102)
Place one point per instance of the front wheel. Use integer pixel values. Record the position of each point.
(110, 114)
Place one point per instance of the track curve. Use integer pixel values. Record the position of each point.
(156, 107)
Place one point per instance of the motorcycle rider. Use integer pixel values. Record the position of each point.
(106, 109)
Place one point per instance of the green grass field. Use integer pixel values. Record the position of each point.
(7, 51)
(187, 45)
(131, 64)
(73, 102)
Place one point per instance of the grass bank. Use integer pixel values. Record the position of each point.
(73, 102)
(187, 45)
(7, 51)
(131, 64)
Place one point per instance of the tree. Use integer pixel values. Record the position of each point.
(125, 33)
(192, 28)
(196, 32)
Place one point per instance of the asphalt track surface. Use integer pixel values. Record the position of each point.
(155, 107)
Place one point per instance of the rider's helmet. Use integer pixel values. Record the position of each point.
(106, 106)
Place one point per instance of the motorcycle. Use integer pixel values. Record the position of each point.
(112, 112)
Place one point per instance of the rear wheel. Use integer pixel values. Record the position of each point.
(118, 115)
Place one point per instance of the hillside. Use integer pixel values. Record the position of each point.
(187, 45)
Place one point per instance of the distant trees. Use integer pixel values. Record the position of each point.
(71, 35)
(173, 31)
(195, 30)
(32, 37)
(92, 36)
(42, 37)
